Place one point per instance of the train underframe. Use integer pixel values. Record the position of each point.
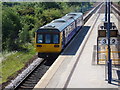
(48, 55)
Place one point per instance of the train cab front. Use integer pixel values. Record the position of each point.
(48, 42)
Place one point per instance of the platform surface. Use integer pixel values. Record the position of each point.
(77, 66)
(87, 73)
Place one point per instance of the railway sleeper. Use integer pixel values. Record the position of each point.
(32, 80)
(28, 82)
(39, 68)
(28, 85)
(24, 87)
(35, 77)
(36, 71)
(36, 74)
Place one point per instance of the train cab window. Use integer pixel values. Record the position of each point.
(47, 38)
(55, 39)
(40, 38)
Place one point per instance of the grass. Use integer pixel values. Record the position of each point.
(15, 62)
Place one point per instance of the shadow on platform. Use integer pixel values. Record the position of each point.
(118, 74)
(116, 82)
(73, 47)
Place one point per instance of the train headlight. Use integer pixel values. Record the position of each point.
(56, 45)
(39, 45)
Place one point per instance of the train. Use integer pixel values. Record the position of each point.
(52, 38)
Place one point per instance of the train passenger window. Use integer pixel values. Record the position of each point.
(40, 38)
(55, 39)
(47, 38)
(66, 32)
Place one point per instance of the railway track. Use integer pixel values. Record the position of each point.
(35, 76)
(116, 10)
(30, 76)
(31, 79)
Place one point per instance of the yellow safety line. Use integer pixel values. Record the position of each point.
(113, 63)
(107, 51)
(105, 59)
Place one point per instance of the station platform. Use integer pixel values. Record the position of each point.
(77, 66)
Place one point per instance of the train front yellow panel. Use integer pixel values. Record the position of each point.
(47, 48)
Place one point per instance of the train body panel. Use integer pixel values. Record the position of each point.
(44, 48)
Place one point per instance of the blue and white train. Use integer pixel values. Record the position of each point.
(50, 39)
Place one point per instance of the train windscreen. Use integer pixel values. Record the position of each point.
(48, 38)
(55, 39)
(39, 38)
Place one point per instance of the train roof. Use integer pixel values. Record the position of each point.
(75, 15)
(61, 23)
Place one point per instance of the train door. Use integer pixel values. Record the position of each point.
(63, 39)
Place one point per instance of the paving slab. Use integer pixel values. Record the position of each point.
(75, 67)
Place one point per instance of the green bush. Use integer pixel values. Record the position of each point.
(21, 19)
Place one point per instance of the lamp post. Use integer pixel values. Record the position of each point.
(109, 51)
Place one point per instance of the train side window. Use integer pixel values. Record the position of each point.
(40, 38)
(55, 39)
(70, 29)
(66, 32)
(47, 38)
(78, 21)
(71, 26)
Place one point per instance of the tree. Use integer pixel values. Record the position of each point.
(24, 35)
(21, 19)
(10, 29)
